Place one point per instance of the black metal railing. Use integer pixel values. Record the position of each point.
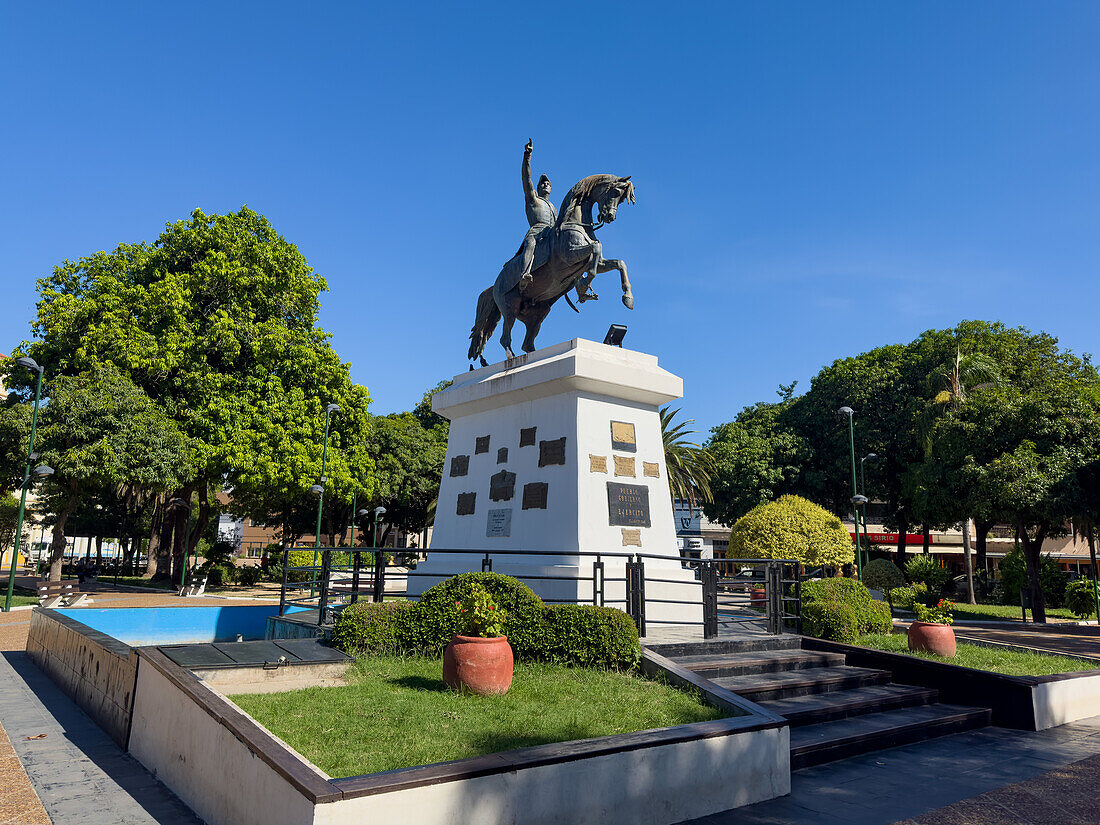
(730, 592)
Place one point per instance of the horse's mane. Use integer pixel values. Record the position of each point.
(581, 190)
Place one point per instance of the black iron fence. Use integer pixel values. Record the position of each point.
(719, 593)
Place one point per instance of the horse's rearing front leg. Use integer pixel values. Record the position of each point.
(615, 263)
(583, 291)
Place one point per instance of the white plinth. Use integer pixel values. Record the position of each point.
(572, 391)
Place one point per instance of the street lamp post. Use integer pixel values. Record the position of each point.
(30, 363)
(319, 489)
(863, 492)
(848, 411)
(379, 566)
(179, 502)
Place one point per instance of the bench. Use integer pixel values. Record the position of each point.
(60, 594)
(194, 584)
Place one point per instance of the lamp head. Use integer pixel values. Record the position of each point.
(848, 411)
(859, 499)
(362, 513)
(331, 408)
(316, 489)
(179, 502)
(379, 511)
(29, 363)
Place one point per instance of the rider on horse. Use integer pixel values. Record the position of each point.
(541, 215)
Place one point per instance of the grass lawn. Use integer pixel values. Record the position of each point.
(397, 713)
(21, 597)
(139, 581)
(1010, 662)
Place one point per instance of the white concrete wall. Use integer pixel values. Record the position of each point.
(649, 786)
(201, 760)
(1065, 700)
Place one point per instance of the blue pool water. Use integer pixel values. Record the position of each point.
(138, 626)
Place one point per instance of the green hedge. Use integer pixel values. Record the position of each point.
(860, 613)
(904, 597)
(883, 574)
(582, 635)
(1081, 597)
(929, 571)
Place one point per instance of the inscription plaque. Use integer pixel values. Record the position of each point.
(622, 437)
(632, 536)
(552, 452)
(651, 469)
(527, 437)
(498, 524)
(534, 495)
(502, 455)
(627, 505)
(481, 445)
(502, 486)
(624, 465)
(460, 465)
(597, 463)
(466, 504)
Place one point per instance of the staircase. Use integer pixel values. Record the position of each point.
(834, 710)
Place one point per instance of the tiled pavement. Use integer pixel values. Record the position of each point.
(910, 782)
(19, 804)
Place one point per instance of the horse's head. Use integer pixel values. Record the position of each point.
(614, 192)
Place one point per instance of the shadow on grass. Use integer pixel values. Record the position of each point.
(420, 683)
(498, 742)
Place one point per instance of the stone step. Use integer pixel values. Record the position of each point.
(761, 661)
(839, 739)
(824, 707)
(744, 644)
(762, 686)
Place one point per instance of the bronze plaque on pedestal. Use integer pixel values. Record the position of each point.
(460, 465)
(627, 505)
(502, 486)
(534, 496)
(622, 437)
(502, 455)
(552, 452)
(466, 504)
(597, 463)
(624, 465)
(527, 437)
(651, 469)
(481, 445)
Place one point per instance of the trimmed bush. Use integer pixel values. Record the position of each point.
(1081, 597)
(437, 619)
(928, 570)
(249, 575)
(590, 636)
(1014, 578)
(301, 558)
(867, 615)
(835, 621)
(883, 574)
(791, 527)
(375, 627)
(904, 597)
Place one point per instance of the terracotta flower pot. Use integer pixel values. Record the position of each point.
(757, 597)
(933, 638)
(483, 666)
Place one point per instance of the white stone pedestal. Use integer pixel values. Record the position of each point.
(561, 451)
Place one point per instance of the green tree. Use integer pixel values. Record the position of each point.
(792, 527)
(756, 458)
(100, 431)
(217, 322)
(688, 465)
(9, 518)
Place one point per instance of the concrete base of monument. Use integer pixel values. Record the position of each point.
(560, 451)
(672, 594)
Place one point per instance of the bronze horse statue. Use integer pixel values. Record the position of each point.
(567, 255)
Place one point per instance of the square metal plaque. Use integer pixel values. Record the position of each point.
(624, 465)
(502, 455)
(466, 504)
(552, 452)
(627, 505)
(527, 437)
(534, 495)
(632, 537)
(622, 437)
(460, 465)
(651, 469)
(502, 486)
(481, 445)
(498, 523)
(597, 463)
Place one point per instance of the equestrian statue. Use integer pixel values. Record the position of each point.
(560, 252)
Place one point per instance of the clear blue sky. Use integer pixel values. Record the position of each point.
(813, 179)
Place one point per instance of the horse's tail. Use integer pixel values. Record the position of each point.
(487, 316)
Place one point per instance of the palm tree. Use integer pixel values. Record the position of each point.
(958, 377)
(689, 466)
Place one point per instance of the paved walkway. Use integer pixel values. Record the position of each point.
(907, 784)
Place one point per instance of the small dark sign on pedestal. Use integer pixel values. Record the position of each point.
(552, 452)
(534, 495)
(460, 465)
(627, 505)
(502, 486)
